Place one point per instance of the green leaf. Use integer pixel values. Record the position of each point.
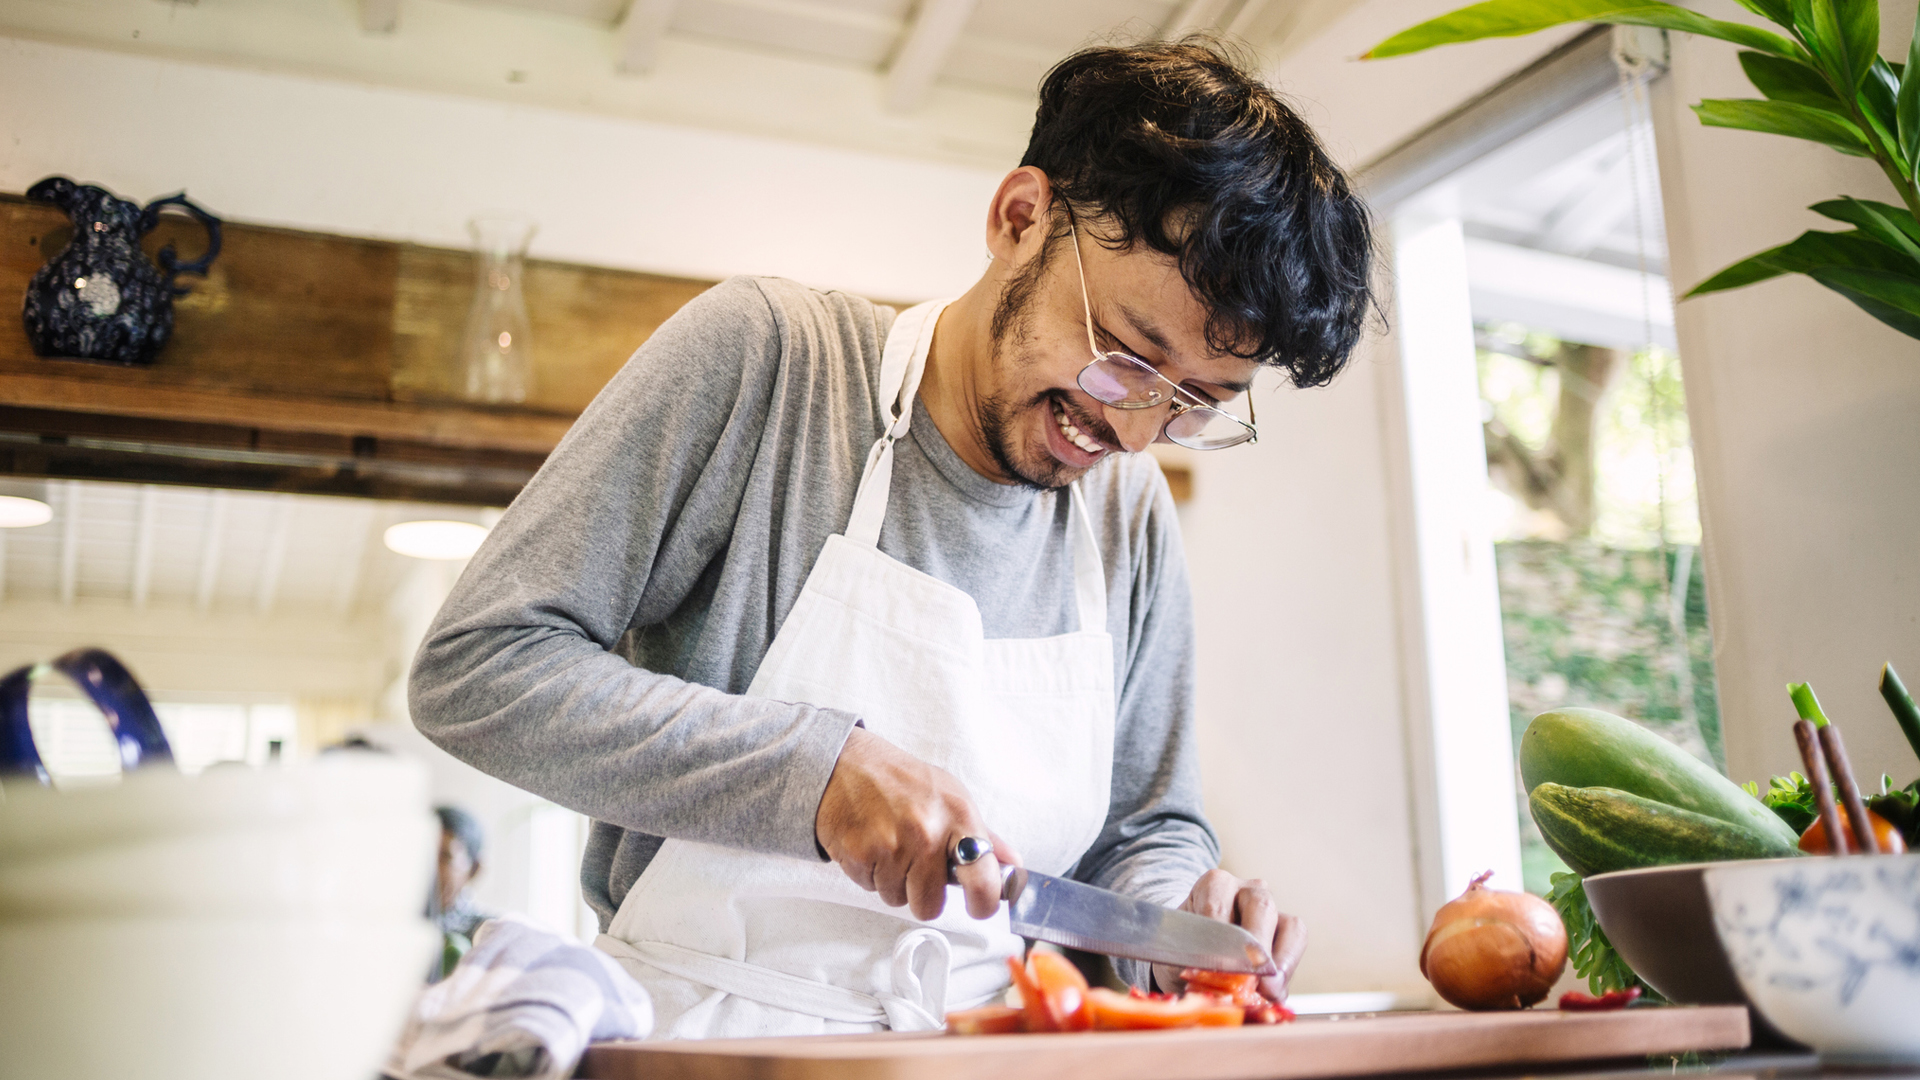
(1511, 18)
(1812, 251)
(1790, 80)
(1791, 798)
(1907, 104)
(1893, 226)
(1778, 11)
(1844, 36)
(1894, 299)
(1860, 34)
(1747, 271)
(1807, 253)
(1877, 103)
(1588, 950)
(1784, 118)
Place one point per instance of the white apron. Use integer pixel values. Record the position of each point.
(734, 943)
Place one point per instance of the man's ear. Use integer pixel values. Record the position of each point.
(1017, 216)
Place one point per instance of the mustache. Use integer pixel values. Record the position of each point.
(1091, 426)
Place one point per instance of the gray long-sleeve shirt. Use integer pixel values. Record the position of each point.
(596, 649)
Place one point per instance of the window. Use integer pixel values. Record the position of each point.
(1551, 542)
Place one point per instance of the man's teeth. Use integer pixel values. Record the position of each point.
(1073, 433)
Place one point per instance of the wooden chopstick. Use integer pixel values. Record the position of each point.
(1849, 791)
(1814, 757)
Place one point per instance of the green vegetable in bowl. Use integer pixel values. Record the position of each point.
(1587, 748)
(1588, 949)
(1901, 702)
(1600, 830)
(1790, 797)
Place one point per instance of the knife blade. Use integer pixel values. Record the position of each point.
(1093, 919)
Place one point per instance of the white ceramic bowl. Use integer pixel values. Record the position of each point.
(158, 802)
(355, 868)
(1828, 949)
(203, 999)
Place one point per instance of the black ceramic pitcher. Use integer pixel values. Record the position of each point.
(101, 298)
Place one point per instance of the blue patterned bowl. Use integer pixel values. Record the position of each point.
(1828, 949)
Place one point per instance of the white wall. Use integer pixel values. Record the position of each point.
(410, 165)
(1805, 436)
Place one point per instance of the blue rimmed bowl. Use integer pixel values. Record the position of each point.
(1827, 949)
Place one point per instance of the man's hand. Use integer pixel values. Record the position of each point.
(1247, 904)
(890, 820)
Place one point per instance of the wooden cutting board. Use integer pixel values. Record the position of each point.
(1308, 1048)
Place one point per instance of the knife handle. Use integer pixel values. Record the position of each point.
(1013, 879)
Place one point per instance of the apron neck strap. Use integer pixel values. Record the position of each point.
(902, 363)
(1089, 570)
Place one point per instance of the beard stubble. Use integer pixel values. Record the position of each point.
(996, 413)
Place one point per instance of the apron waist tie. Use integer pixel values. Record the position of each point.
(917, 1000)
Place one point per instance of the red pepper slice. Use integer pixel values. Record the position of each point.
(1575, 1001)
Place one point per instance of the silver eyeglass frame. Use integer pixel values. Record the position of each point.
(1179, 406)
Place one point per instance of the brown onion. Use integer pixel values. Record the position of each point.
(1491, 949)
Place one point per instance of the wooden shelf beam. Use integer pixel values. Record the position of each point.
(309, 362)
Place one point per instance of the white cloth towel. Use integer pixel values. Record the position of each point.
(523, 1002)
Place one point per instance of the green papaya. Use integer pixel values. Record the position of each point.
(1587, 748)
(1597, 830)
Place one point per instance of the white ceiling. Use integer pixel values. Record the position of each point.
(234, 552)
(952, 79)
(1003, 45)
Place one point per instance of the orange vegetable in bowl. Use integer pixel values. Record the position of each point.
(1814, 840)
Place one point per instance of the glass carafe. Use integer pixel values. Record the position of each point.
(496, 351)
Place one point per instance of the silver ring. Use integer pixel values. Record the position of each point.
(971, 849)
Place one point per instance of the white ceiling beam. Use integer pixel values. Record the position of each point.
(143, 545)
(346, 586)
(637, 36)
(210, 543)
(69, 541)
(379, 16)
(1585, 218)
(274, 561)
(1579, 300)
(930, 39)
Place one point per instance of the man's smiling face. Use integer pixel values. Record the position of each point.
(1040, 427)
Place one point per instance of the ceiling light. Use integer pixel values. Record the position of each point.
(19, 513)
(435, 539)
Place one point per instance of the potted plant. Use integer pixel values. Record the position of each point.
(1824, 80)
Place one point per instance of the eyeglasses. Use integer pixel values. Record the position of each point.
(1128, 382)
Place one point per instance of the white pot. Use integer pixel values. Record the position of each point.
(1828, 949)
(205, 999)
(354, 868)
(158, 802)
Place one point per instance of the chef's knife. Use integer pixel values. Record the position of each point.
(1079, 916)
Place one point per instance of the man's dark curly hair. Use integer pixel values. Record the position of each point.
(1178, 145)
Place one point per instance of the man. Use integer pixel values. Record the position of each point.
(816, 600)
(461, 839)
(450, 905)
